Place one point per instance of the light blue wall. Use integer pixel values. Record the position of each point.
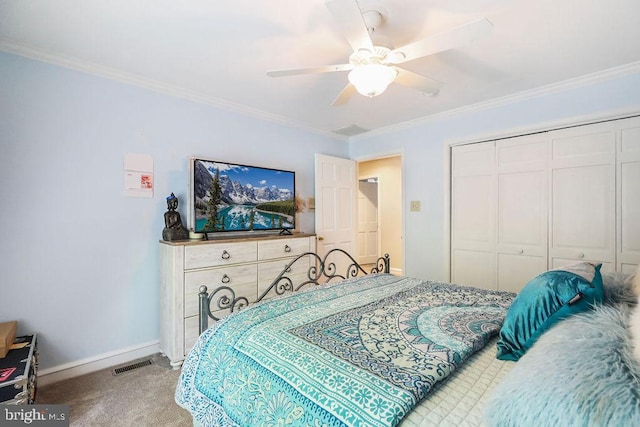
(423, 149)
(80, 260)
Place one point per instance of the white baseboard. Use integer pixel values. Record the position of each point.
(96, 363)
(395, 271)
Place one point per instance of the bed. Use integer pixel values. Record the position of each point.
(367, 349)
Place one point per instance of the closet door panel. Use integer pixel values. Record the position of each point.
(521, 229)
(474, 268)
(473, 159)
(515, 271)
(473, 215)
(523, 153)
(628, 192)
(628, 268)
(522, 210)
(582, 225)
(582, 200)
(472, 202)
(630, 207)
(473, 212)
(583, 145)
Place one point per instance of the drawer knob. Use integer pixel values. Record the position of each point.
(226, 255)
(287, 248)
(226, 279)
(521, 251)
(580, 255)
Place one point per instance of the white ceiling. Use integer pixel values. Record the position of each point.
(219, 51)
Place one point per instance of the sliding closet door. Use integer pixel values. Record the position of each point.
(522, 209)
(473, 215)
(628, 161)
(583, 194)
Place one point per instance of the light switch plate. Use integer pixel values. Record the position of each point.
(415, 206)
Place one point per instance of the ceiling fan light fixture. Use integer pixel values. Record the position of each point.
(372, 79)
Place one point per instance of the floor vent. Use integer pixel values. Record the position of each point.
(127, 368)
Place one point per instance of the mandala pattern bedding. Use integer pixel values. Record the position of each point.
(362, 352)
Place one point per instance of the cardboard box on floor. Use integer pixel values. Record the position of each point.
(7, 336)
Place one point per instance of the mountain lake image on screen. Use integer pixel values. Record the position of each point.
(234, 197)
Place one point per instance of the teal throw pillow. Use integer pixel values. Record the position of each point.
(544, 301)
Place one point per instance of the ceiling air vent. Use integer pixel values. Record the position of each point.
(351, 130)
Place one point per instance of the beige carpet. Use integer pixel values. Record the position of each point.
(140, 397)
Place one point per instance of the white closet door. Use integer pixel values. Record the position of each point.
(628, 204)
(473, 215)
(522, 209)
(583, 191)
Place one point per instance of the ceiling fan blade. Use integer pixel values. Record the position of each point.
(343, 97)
(417, 81)
(349, 17)
(456, 37)
(310, 70)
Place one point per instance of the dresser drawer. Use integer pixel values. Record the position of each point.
(192, 329)
(268, 271)
(241, 278)
(280, 248)
(202, 256)
(191, 332)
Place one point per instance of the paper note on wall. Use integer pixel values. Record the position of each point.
(138, 175)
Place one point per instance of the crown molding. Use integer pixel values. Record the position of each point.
(568, 122)
(154, 85)
(589, 79)
(179, 92)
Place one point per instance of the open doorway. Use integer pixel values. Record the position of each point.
(368, 244)
(380, 211)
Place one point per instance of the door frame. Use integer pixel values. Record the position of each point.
(382, 156)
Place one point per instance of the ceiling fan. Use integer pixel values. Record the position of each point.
(373, 64)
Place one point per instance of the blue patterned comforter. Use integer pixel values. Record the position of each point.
(362, 352)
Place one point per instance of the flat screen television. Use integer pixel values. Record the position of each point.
(230, 197)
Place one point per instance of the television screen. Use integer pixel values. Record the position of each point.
(232, 197)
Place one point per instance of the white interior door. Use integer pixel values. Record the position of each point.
(367, 221)
(628, 200)
(336, 199)
(473, 259)
(522, 209)
(583, 192)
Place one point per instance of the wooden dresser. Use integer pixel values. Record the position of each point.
(248, 265)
